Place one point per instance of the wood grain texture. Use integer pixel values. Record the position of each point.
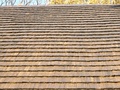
(60, 47)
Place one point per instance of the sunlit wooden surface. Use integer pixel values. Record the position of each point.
(60, 47)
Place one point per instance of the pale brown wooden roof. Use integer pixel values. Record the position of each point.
(60, 47)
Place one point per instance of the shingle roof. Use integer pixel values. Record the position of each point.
(60, 47)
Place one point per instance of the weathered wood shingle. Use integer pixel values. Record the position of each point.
(60, 47)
